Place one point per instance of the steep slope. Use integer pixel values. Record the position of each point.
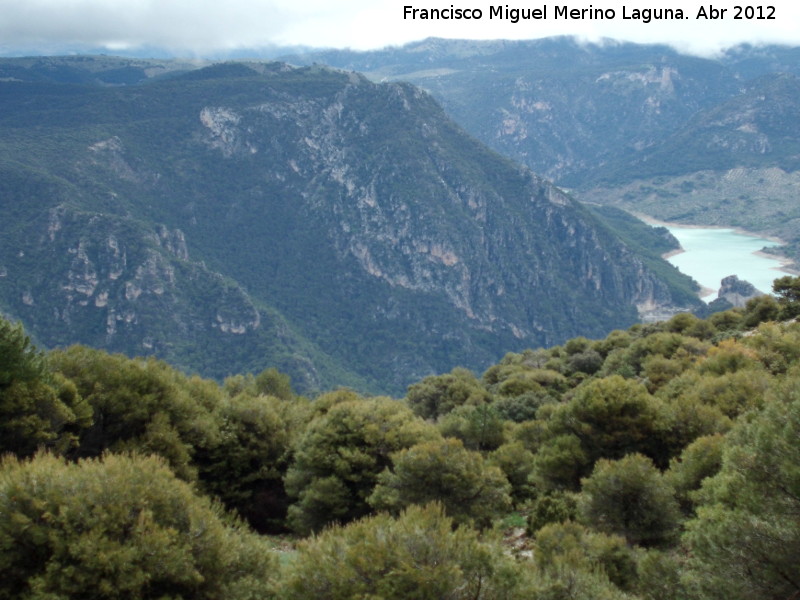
(737, 163)
(757, 128)
(240, 214)
(101, 70)
(75, 270)
(696, 140)
(558, 106)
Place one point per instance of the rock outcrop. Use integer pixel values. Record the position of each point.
(239, 217)
(737, 291)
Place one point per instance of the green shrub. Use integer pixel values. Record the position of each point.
(119, 528)
(338, 458)
(419, 555)
(631, 498)
(444, 471)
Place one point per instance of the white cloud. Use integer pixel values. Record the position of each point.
(193, 25)
(200, 26)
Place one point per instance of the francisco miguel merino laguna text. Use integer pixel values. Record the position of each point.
(541, 13)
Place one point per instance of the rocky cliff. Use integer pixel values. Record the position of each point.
(736, 291)
(709, 141)
(246, 215)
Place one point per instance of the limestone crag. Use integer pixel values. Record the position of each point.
(737, 291)
(246, 215)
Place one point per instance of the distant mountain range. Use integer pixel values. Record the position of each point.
(682, 138)
(245, 215)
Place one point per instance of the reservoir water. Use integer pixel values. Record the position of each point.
(710, 254)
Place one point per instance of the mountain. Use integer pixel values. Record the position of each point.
(244, 215)
(709, 141)
(757, 128)
(558, 106)
(735, 164)
(92, 70)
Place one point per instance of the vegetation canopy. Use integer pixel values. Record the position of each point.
(663, 461)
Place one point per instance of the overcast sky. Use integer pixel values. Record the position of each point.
(208, 27)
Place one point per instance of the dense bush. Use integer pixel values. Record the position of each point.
(339, 457)
(631, 498)
(37, 409)
(437, 395)
(119, 527)
(470, 489)
(417, 555)
(668, 471)
(143, 405)
(575, 544)
(746, 537)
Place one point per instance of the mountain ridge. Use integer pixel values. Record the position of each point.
(641, 126)
(380, 239)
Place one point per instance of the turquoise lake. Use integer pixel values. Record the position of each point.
(710, 254)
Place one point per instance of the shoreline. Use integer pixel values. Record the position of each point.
(653, 221)
(671, 253)
(785, 262)
(707, 294)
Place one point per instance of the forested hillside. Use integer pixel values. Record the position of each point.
(570, 109)
(242, 214)
(658, 462)
(697, 140)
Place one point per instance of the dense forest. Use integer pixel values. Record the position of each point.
(342, 231)
(660, 462)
